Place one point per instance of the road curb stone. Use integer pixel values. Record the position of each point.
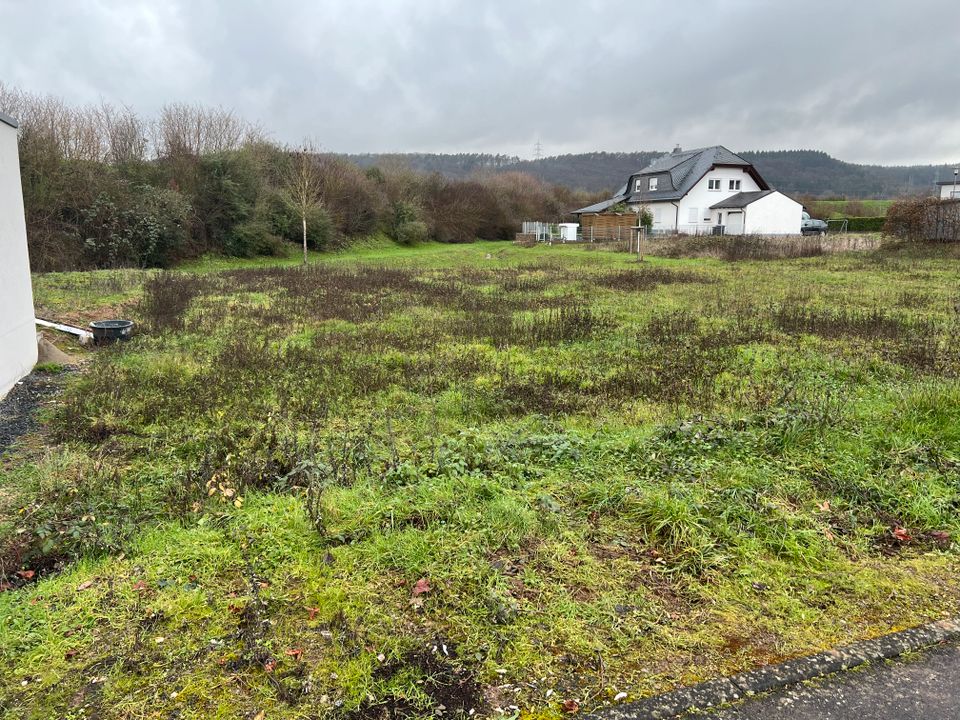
(773, 677)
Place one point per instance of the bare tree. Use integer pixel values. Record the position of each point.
(194, 130)
(124, 134)
(303, 182)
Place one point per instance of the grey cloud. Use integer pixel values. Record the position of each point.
(865, 81)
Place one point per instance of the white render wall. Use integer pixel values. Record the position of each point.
(946, 192)
(18, 333)
(775, 214)
(701, 198)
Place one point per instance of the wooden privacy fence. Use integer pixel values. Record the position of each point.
(600, 227)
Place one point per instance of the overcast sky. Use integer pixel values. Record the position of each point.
(868, 81)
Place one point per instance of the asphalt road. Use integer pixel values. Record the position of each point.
(925, 686)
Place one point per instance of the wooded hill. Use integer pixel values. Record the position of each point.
(801, 172)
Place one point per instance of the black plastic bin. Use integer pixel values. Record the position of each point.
(109, 331)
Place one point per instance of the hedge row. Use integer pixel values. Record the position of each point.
(865, 224)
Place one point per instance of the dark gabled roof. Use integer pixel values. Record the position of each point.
(618, 197)
(740, 200)
(676, 173)
(947, 182)
(4, 118)
(598, 207)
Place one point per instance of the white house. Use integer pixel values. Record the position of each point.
(18, 333)
(949, 190)
(692, 191)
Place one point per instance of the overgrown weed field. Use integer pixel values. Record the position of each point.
(478, 480)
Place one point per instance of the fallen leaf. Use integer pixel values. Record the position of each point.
(570, 706)
(829, 535)
(295, 653)
(260, 715)
(140, 586)
(901, 534)
(270, 665)
(422, 587)
(85, 585)
(824, 506)
(69, 654)
(26, 574)
(312, 612)
(943, 538)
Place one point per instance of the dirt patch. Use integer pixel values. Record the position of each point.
(452, 691)
(18, 409)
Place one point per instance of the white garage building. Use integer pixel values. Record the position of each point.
(18, 335)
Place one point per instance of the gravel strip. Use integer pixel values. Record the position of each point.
(724, 690)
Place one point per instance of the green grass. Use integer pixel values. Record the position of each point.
(607, 477)
(837, 209)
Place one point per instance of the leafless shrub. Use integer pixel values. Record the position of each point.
(924, 219)
(184, 130)
(125, 135)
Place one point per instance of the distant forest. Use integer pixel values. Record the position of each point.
(800, 172)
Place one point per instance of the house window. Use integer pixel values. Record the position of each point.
(706, 215)
(692, 217)
(636, 187)
(713, 184)
(652, 184)
(656, 215)
(734, 184)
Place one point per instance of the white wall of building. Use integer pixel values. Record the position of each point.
(664, 215)
(18, 334)
(694, 214)
(774, 214)
(696, 203)
(947, 192)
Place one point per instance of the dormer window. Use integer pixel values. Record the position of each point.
(652, 184)
(637, 186)
(713, 184)
(734, 184)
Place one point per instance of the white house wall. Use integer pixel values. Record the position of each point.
(947, 192)
(775, 214)
(664, 215)
(701, 198)
(18, 338)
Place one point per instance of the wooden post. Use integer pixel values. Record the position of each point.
(304, 239)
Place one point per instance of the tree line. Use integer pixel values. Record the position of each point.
(796, 172)
(105, 187)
